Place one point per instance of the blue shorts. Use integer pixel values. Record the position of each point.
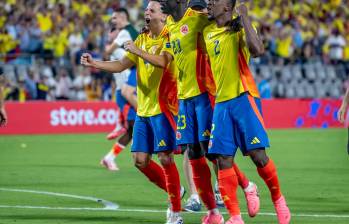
(127, 111)
(238, 123)
(194, 120)
(132, 78)
(153, 134)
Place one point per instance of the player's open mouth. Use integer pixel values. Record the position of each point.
(147, 20)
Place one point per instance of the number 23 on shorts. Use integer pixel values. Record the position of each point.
(181, 123)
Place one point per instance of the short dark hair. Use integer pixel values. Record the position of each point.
(233, 3)
(123, 10)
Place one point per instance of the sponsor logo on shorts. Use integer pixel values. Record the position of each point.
(178, 135)
(206, 133)
(162, 143)
(255, 141)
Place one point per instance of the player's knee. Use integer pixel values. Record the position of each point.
(184, 149)
(195, 151)
(224, 162)
(259, 157)
(165, 158)
(204, 146)
(140, 161)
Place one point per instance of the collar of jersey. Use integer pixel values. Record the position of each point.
(163, 33)
(187, 12)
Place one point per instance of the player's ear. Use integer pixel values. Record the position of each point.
(163, 18)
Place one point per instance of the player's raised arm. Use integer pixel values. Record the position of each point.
(109, 66)
(161, 60)
(254, 43)
(343, 108)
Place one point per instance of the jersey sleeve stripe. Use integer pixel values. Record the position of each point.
(200, 62)
(255, 109)
(246, 76)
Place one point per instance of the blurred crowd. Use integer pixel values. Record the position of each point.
(41, 42)
(300, 31)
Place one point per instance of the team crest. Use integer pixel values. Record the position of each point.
(184, 29)
(209, 36)
(178, 135)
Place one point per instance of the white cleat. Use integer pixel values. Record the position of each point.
(174, 218)
(109, 164)
(218, 197)
(183, 191)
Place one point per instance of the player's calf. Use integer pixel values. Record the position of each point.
(259, 157)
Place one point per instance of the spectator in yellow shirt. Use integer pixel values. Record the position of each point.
(44, 20)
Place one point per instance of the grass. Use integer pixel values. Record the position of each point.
(312, 166)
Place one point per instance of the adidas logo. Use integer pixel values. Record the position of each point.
(255, 141)
(162, 143)
(207, 133)
(225, 198)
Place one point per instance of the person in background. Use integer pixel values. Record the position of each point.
(3, 115)
(342, 112)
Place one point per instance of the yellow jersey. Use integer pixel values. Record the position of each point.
(44, 21)
(156, 87)
(185, 45)
(229, 58)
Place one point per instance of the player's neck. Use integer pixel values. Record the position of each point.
(123, 25)
(179, 12)
(223, 20)
(156, 29)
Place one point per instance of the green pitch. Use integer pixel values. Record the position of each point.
(313, 167)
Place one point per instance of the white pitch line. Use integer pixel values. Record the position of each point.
(163, 211)
(244, 213)
(107, 204)
(56, 208)
(110, 206)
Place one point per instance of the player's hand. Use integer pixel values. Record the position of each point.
(86, 60)
(242, 10)
(131, 47)
(341, 113)
(3, 117)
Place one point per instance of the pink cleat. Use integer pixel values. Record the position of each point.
(252, 199)
(236, 219)
(109, 164)
(116, 133)
(282, 211)
(212, 218)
